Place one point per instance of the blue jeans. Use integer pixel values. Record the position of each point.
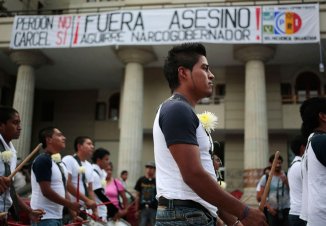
(294, 220)
(49, 222)
(147, 215)
(182, 216)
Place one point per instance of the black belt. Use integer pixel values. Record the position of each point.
(178, 202)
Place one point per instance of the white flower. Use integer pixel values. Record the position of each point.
(223, 185)
(6, 156)
(208, 120)
(103, 182)
(56, 157)
(81, 170)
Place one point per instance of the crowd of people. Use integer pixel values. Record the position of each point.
(77, 187)
(298, 198)
(181, 187)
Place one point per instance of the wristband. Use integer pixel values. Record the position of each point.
(244, 213)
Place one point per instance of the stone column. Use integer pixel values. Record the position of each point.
(256, 128)
(131, 114)
(24, 95)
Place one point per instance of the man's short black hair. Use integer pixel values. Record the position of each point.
(6, 113)
(185, 55)
(296, 144)
(100, 153)
(123, 172)
(271, 158)
(80, 140)
(45, 133)
(309, 112)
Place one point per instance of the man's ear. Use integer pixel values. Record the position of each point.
(47, 140)
(182, 73)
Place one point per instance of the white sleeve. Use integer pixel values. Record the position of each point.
(89, 172)
(97, 183)
(68, 163)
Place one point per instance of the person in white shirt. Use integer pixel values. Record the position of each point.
(313, 165)
(298, 145)
(10, 130)
(123, 178)
(78, 164)
(186, 182)
(49, 176)
(101, 160)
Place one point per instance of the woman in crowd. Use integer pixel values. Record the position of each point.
(114, 190)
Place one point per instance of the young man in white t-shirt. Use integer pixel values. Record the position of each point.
(84, 148)
(313, 166)
(10, 130)
(186, 182)
(101, 160)
(298, 145)
(49, 177)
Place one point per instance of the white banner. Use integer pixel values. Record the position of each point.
(164, 26)
(291, 24)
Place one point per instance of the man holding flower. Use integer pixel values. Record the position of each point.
(187, 188)
(80, 181)
(49, 179)
(9, 130)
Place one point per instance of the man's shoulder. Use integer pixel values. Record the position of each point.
(42, 162)
(88, 164)
(175, 105)
(318, 139)
(318, 144)
(69, 161)
(67, 158)
(141, 178)
(177, 111)
(42, 158)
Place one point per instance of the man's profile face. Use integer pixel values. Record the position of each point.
(124, 176)
(87, 148)
(104, 162)
(58, 140)
(278, 167)
(11, 129)
(150, 171)
(202, 78)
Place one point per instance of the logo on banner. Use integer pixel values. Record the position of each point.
(281, 23)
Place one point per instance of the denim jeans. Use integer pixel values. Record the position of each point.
(147, 215)
(294, 220)
(49, 222)
(182, 216)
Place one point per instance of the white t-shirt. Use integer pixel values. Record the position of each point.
(295, 183)
(314, 181)
(45, 169)
(169, 182)
(13, 161)
(73, 169)
(99, 181)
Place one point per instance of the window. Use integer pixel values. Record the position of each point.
(100, 113)
(114, 106)
(219, 93)
(286, 93)
(217, 97)
(307, 85)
